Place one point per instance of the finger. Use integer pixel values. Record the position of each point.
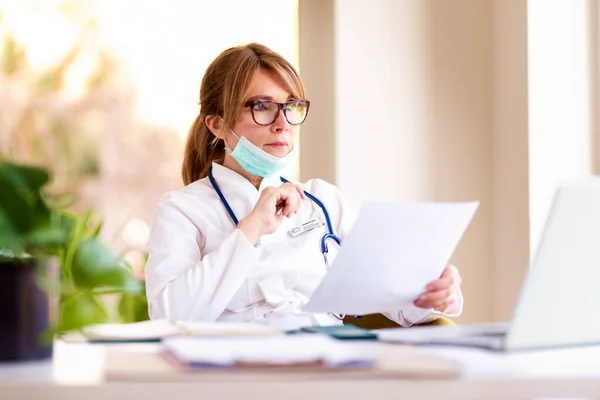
(292, 198)
(447, 270)
(300, 192)
(442, 302)
(279, 217)
(431, 298)
(442, 305)
(291, 202)
(297, 188)
(298, 196)
(288, 210)
(438, 302)
(284, 200)
(271, 198)
(450, 276)
(438, 305)
(281, 209)
(452, 272)
(440, 284)
(292, 205)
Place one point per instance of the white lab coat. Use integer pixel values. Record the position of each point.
(200, 267)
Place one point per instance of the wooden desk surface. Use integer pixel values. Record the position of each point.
(88, 371)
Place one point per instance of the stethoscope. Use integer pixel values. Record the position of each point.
(330, 235)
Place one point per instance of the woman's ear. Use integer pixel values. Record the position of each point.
(215, 125)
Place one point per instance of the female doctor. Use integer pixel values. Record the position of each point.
(239, 242)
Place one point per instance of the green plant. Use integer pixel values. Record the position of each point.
(36, 225)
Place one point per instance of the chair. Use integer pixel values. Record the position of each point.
(379, 321)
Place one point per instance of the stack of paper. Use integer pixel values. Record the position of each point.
(160, 329)
(285, 350)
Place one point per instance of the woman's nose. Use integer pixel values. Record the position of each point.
(281, 123)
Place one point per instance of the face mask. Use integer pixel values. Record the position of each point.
(257, 161)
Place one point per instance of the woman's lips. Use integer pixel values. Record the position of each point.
(278, 145)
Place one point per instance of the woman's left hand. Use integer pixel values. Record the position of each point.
(441, 292)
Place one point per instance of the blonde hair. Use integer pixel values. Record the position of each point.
(222, 93)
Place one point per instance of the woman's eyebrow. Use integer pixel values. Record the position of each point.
(267, 97)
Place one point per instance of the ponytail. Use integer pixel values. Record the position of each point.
(201, 149)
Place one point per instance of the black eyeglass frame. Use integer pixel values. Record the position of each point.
(280, 106)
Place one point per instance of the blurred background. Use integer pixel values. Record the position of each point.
(104, 92)
(411, 100)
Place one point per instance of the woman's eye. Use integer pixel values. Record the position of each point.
(259, 106)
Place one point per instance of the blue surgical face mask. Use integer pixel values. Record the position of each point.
(257, 161)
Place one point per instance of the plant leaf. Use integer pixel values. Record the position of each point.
(80, 310)
(94, 265)
(133, 307)
(67, 221)
(21, 197)
(9, 238)
(47, 236)
(13, 202)
(24, 177)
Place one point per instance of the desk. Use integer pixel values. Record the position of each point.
(77, 372)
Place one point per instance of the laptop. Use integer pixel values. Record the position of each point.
(559, 300)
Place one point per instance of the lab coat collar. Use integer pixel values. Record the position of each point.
(229, 176)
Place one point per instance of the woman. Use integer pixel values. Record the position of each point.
(224, 247)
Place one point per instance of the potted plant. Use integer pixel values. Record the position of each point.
(37, 234)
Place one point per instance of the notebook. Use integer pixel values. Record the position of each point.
(157, 330)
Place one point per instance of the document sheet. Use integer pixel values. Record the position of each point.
(389, 256)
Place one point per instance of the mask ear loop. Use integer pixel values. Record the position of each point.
(228, 148)
(215, 140)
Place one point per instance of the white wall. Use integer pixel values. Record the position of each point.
(493, 100)
(560, 111)
(413, 114)
(510, 152)
(317, 68)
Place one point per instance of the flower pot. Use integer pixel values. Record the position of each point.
(24, 313)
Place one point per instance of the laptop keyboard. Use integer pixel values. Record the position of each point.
(489, 336)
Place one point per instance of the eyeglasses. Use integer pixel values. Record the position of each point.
(265, 112)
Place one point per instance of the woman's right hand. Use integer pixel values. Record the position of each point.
(273, 205)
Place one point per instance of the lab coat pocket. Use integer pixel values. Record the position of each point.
(305, 258)
(283, 300)
(240, 300)
(273, 290)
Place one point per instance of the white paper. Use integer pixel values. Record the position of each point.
(199, 328)
(281, 350)
(162, 328)
(391, 253)
(154, 329)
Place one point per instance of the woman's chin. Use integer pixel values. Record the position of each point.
(277, 151)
